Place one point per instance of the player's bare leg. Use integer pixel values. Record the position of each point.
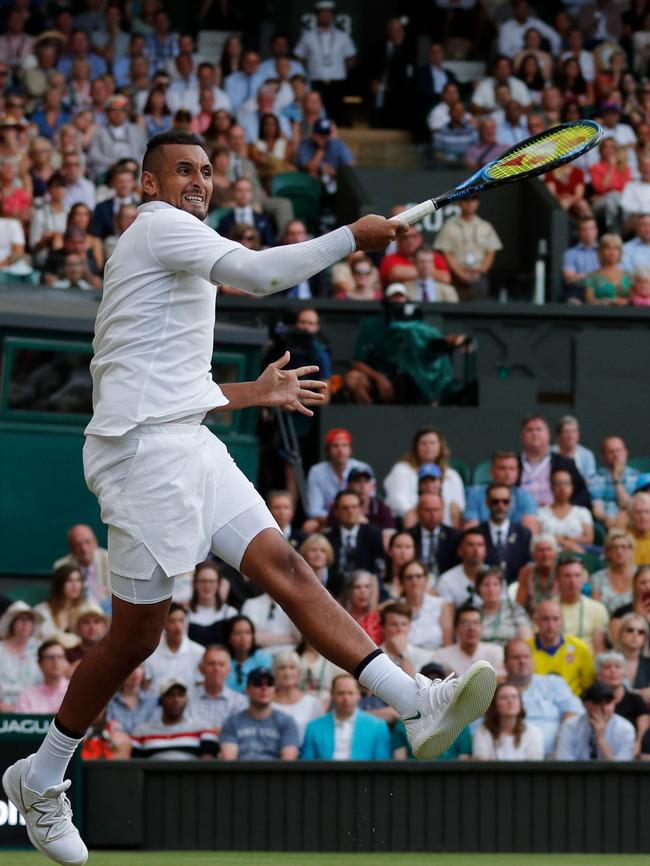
(434, 713)
(35, 784)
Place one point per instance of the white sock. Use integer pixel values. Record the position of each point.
(51, 760)
(389, 682)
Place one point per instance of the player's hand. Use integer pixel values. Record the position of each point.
(373, 232)
(286, 390)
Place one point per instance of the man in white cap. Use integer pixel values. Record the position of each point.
(328, 54)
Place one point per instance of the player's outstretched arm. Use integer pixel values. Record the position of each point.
(277, 387)
(267, 271)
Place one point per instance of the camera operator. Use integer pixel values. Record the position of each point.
(399, 358)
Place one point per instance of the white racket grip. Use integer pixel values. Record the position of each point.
(416, 213)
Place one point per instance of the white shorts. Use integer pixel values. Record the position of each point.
(169, 494)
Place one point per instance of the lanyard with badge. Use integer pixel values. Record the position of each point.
(326, 57)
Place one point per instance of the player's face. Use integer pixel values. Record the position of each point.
(184, 179)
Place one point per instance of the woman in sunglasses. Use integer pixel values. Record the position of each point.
(630, 642)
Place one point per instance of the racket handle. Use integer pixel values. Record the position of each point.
(416, 213)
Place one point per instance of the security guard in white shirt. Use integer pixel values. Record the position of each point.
(328, 54)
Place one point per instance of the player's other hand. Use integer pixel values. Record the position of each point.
(373, 232)
(285, 388)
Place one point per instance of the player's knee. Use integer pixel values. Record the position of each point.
(137, 642)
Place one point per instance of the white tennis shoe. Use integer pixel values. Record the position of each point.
(48, 816)
(445, 707)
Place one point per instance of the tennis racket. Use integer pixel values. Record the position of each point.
(535, 155)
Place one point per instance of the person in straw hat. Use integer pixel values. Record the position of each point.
(18, 648)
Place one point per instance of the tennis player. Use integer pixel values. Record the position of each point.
(170, 492)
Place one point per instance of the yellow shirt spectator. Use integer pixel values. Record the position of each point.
(572, 660)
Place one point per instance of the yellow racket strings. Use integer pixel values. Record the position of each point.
(558, 144)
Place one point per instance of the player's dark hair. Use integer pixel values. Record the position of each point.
(172, 136)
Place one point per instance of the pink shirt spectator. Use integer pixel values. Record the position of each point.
(42, 698)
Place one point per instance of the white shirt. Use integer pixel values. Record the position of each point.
(499, 533)
(303, 711)
(530, 748)
(401, 486)
(636, 197)
(484, 94)
(325, 52)
(343, 730)
(453, 658)
(455, 586)
(511, 35)
(267, 615)
(184, 663)
(586, 61)
(425, 630)
(209, 615)
(11, 232)
(184, 93)
(572, 525)
(439, 117)
(155, 324)
(622, 134)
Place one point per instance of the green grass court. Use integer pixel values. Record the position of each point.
(255, 858)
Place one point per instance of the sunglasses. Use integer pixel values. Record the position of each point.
(499, 501)
(364, 271)
(631, 630)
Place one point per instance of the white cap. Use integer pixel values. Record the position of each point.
(396, 289)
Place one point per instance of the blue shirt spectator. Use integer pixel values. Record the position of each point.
(323, 483)
(546, 700)
(244, 84)
(636, 253)
(579, 740)
(451, 142)
(602, 488)
(260, 739)
(335, 152)
(476, 507)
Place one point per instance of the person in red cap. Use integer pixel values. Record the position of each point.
(327, 478)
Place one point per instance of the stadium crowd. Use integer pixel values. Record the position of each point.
(541, 568)
(84, 85)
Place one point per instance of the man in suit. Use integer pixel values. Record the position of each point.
(391, 78)
(430, 81)
(243, 212)
(317, 286)
(537, 462)
(346, 733)
(282, 508)
(123, 185)
(436, 544)
(507, 544)
(356, 543)
(91, 560)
